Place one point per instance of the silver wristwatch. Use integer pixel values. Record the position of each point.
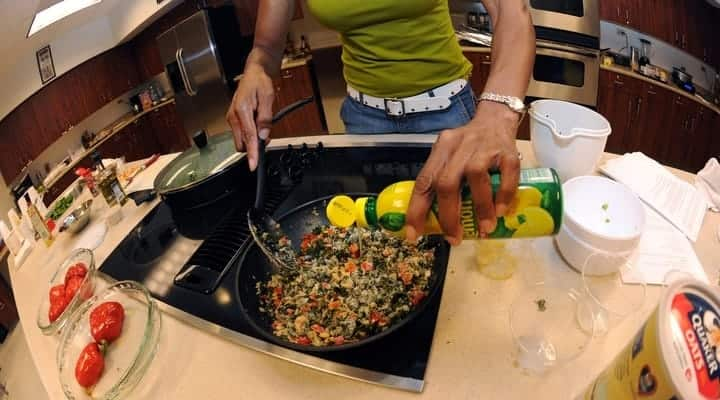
(513, 102)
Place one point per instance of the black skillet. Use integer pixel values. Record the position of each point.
(255, 267)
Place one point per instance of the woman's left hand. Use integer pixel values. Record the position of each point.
(471, 151)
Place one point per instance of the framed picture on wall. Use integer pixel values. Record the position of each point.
(45, 64)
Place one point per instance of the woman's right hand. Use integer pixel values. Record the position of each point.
(250, 113)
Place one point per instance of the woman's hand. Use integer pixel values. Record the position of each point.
(250, 114)
(487, 142)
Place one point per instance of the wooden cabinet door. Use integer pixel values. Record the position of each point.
(656, 18)
(15, 145)
(120, 67)
(702, 129)
(618, 101)
(8, 311)
(677, 138)
(142, 140)
(295, 84)
(168, 130)
(481, 70)
(613, 10)
(651, 118)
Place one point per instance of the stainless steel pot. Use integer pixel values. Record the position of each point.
(680, 76)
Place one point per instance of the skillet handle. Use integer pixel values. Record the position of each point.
(261, 172)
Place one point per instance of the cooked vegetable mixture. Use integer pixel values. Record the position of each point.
(349, 284)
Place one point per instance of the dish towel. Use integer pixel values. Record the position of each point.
(707, 182)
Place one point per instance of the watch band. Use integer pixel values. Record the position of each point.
(512, 102)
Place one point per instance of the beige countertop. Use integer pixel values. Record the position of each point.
(288, 63)
(627, 71)
(473, 354)
(106, 134)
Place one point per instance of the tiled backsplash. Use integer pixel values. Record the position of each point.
(661, 53)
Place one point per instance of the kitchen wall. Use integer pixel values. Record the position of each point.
(661, 53)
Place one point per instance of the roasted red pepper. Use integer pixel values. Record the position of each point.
(57, 302)
(78, 270)
(71, 287)
(89, 365)
(106, 321)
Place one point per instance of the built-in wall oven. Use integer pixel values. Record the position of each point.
(565, 72)
(567, 60)
(572, 21)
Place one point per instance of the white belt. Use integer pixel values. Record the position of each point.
(432, 100)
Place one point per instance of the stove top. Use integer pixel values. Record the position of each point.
(197, 279)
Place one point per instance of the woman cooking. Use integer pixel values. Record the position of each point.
(406, 73)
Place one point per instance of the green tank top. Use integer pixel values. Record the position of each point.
(394, 48)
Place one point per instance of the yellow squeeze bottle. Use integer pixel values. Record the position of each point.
(536, 209)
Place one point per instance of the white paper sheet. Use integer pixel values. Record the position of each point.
(662, 249)
(676, 200)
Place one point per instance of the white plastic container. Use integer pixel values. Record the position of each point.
(567, 137)
(602, 224)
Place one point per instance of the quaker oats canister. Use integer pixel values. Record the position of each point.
(675, 354)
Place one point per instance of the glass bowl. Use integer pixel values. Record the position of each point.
(127, 358)
(84, 256)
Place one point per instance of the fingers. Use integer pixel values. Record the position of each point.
(509, 180)
(263, 119)
(478, 178)
(249, 133)
(422, 195)
(448, 194)
(234, 122)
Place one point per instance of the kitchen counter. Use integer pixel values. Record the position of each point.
(105, 134)
(473, 354)
(287, 63)
(627, 71)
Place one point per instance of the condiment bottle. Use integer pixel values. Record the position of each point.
(86, 175)
(109, 184)
(38, 223)
(536, 209)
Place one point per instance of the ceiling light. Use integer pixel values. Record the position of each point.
(57, 12)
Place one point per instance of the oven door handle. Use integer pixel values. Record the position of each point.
(543, 44)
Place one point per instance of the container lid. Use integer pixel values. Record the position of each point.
(209, 156)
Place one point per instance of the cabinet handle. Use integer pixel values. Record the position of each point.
(637, 108)
(650, 91)
(677, 37)
(617, 10)
(684, 41)
(627, 16)
(629, 110)
(287, 74)
(619, 83)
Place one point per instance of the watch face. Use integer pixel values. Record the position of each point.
(516, 104)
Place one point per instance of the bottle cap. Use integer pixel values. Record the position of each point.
(340, 211)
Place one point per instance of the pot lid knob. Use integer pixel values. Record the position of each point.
(200, 139)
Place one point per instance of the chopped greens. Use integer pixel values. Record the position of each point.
(605, 206)
(350, 284)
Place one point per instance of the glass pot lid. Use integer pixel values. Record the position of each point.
(209, 156)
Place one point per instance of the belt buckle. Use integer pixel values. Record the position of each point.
(387, 109)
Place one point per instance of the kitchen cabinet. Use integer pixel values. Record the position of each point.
(700, 138)
(677, 132)
(107, 76)
(292, 85)
(481, 70)
(15, 135)
(8, 311)
(666, 126)
(168, 130)
(688, 25)
(650, 129)
(134, 142)
(618, 101)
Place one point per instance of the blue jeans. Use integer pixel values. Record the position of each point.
(359, 118)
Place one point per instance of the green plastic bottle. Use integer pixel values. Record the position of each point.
(536, 209)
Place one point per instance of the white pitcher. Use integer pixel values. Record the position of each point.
(567, 137)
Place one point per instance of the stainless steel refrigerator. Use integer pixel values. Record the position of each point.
(202, 55)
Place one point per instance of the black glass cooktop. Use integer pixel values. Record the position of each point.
(200, 276)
